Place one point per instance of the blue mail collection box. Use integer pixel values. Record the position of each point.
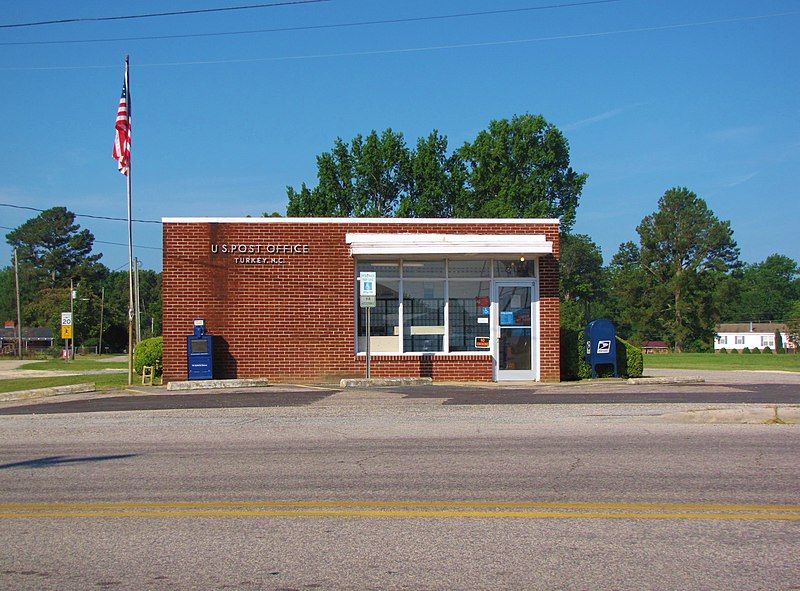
(601, 345)
(199, 351)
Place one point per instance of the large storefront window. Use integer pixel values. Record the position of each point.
(423, 316)
(469, 315)
(446, 305)
(385, 316)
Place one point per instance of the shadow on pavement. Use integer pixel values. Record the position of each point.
(59, 460)
(256, 399)
(742, 394)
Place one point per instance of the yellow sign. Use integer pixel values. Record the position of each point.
(66, 331)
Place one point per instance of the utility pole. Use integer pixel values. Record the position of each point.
(19, 315)
(72, 315)
(102, 300)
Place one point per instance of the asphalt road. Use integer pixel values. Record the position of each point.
(385, 490)
(277, 395)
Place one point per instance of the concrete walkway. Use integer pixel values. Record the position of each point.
(715, 376)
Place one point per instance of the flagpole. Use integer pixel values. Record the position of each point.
(130, 239)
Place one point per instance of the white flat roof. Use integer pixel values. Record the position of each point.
(261, 220)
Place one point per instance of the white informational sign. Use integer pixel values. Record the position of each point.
(66, 318)
(367, 281)
(603, 347)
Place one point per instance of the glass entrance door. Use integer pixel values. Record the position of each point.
(515, 327)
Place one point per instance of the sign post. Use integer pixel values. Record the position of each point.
(66, 326)
(367, 294)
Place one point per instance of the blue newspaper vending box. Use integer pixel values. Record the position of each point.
(601, 345)
(199, 349)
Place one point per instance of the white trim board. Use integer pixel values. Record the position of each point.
(400, 221)
(443, 244)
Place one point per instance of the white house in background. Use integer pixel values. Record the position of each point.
(753, 335)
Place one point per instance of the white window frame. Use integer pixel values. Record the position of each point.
(446, 338)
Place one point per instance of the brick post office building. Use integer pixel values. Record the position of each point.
(457, 299)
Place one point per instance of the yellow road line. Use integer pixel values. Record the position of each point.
(403, 509)
(366, 513)
(124, 505)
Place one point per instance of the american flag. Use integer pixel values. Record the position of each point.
(122, 138)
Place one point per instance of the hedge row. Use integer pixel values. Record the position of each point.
(630, 362)
(749, 351)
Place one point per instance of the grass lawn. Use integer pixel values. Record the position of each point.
(77, 364)
(103, 382)
(731, 361)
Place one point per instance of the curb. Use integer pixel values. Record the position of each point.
(375, 382)
(666, 380)
(215, 384)
(45, 392)
(772, 414)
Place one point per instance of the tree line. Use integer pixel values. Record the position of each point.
(679, 280)
(516, 168)
(54, 251)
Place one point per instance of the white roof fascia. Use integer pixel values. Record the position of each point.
(442, 244)
(399, 221)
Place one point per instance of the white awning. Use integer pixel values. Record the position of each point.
(448, 244)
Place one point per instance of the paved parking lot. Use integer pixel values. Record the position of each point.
(719, 388)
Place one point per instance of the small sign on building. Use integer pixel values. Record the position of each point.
(481, 342)
(367, 290)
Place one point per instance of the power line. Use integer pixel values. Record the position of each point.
(84, 215)
(104, 241)
(123, 244)
(95, 19)
(424, 48)
(315, 27)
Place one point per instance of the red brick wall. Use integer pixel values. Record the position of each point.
(296, 320)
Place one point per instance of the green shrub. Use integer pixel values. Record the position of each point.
(746, 351)
(722, 351)
(767, 350)
(778, 342)
(630, 361)
(584, 369)
(569, 360)
(573, 364)
(148, 352)
(755, 350)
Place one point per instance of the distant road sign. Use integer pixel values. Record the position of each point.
(368, 301)
(66, 331)
(66, 318)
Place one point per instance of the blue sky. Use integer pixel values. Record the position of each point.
(650, 94)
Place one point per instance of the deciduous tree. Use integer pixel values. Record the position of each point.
(765, 291)
(582, 279)
(437, 182)
(517, 168)
(520, 168)
(368, 178)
